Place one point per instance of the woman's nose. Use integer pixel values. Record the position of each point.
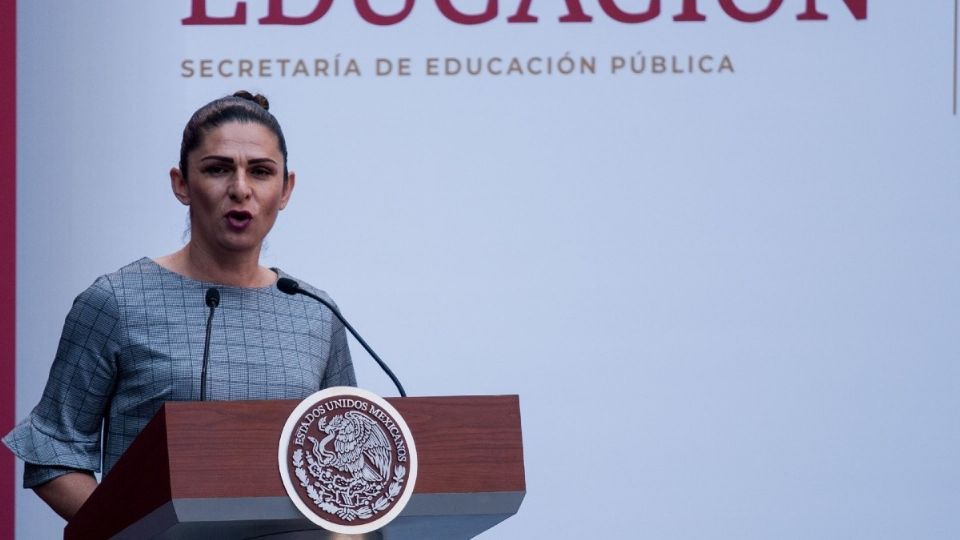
(239, 189)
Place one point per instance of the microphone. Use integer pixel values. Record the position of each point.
(291, 287)
(213, 300)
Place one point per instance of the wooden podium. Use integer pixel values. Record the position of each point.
(209, 470)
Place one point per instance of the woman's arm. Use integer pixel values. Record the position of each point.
(66, 494)
(60, 440)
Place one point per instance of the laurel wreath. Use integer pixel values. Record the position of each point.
(346, 514)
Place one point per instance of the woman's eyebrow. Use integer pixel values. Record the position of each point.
(227, 159)
(262, 160)
(217, 158)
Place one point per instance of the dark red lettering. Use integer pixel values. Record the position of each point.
(613, 10)
(372, 17)
(450, 12)
(746, 16)
(198, 14)
(574, 13)
(690, 13)
(275, 14)
(858, 8)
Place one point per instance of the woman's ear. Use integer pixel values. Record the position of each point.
(179, 185)
(288, 189)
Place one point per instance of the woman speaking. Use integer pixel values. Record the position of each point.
(206, 320)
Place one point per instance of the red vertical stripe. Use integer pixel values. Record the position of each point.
(8, 251)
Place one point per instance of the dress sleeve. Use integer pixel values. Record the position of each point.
(339, 371)
(62, 433)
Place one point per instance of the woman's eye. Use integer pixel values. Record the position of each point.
(214, 170)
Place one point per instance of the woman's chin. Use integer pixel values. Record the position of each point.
(235, 244)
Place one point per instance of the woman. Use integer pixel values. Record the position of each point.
(135, 338)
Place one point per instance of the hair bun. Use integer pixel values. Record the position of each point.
(258, 99)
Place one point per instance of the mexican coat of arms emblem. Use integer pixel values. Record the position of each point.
(347, 460)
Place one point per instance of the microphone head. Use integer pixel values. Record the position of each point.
(213, 297)
(288, 285)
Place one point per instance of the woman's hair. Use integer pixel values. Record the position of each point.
(242, 107)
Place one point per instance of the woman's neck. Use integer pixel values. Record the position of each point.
(237, 270)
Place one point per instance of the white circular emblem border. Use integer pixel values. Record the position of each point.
(284, 460)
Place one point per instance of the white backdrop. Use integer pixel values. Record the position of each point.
(728, 301)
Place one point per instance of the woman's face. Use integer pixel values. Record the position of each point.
(234, 187)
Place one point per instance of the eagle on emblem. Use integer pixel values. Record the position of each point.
(360, 447)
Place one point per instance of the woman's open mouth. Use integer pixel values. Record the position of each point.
(239, 219)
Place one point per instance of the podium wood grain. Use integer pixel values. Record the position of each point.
(193, 450)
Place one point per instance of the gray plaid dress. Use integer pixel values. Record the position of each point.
(134, 340)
